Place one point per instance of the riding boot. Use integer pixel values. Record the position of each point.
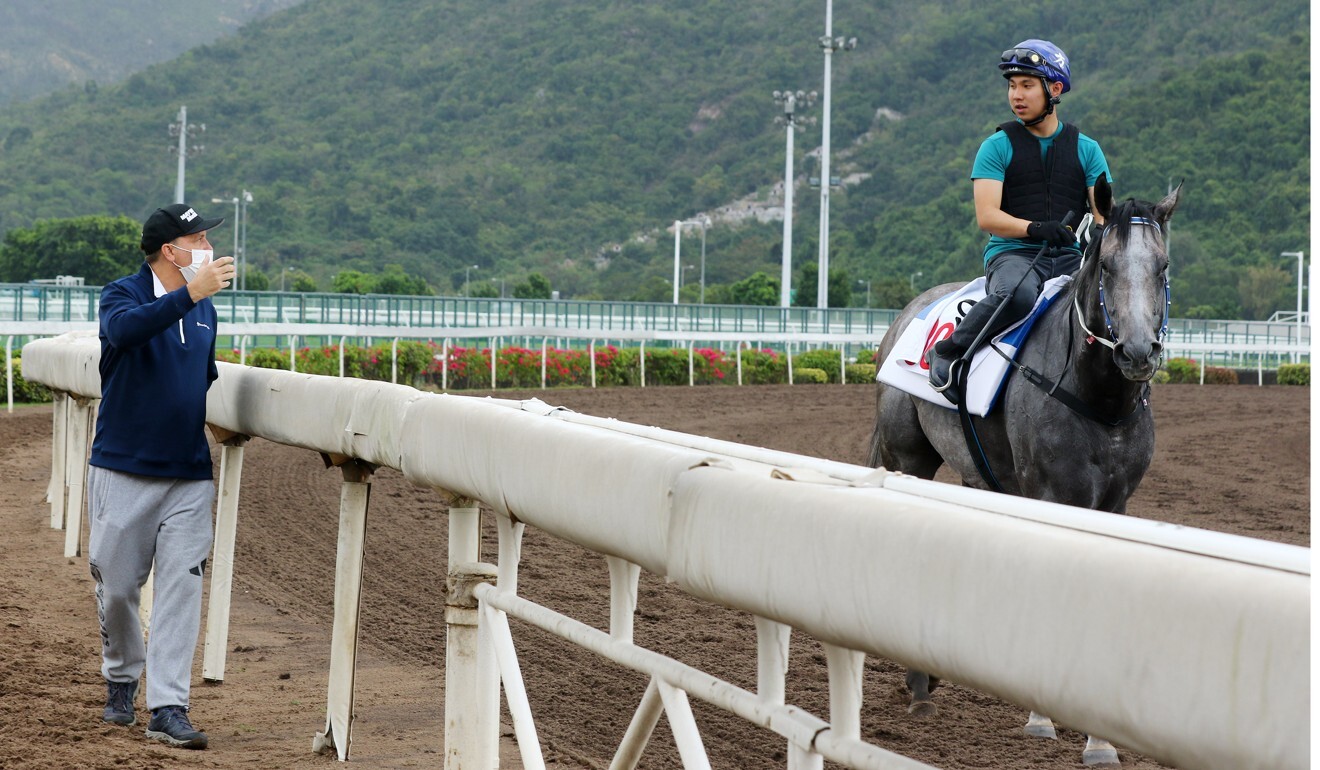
(965, 334)
(943, 354)
(940, 359)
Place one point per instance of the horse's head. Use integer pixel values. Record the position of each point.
(1122, 289)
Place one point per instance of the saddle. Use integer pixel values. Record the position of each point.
(906, 368)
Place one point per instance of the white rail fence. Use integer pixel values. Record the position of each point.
(1185, 645)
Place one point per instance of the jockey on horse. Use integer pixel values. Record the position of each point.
(1026, 176)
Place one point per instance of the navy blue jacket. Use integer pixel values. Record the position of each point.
(157, 362)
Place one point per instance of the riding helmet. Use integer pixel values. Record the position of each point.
(1037, 57)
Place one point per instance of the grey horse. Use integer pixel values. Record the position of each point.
(1089, 443)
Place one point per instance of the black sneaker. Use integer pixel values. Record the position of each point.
(119, 703)
(169, 724)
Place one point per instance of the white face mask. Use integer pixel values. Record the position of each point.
(199, 257)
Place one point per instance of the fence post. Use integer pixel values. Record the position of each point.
(58, 492)
(543, 340)
(591, 353)
(75, 475)
(394, 361)
(354, 497)
(444, 365)
(641, 358)
(222, 558)
(471, 678)
(9, 370)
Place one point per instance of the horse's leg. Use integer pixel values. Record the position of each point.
(1040, 726)
(1099, 753)
(920, 684)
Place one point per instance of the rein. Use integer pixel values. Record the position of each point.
(1052, 388)
(1064, 396)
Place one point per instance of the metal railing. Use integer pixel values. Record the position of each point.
(264, 316)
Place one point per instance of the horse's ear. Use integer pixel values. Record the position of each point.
(1164, 209)
(1104, 196)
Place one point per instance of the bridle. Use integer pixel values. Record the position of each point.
(1094, 250)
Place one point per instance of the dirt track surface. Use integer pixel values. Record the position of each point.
(1234, 459)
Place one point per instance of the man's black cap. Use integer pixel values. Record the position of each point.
(170, 222)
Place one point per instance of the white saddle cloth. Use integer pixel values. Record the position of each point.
(906, 368)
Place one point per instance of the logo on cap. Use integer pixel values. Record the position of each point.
(188, 215)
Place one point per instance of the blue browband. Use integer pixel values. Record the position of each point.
(1136, 221)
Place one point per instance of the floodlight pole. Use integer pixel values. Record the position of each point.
(183, 154)
(184, 132)
(828, 44)
(237, 219)
(790, 101)
(244, 200)
(1299, 255)
(705, 222)
(786, 268)
(678, 236)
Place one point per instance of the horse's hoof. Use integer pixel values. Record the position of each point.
(1040, 727)
(922, 708)
(1099, 753)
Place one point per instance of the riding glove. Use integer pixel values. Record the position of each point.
(1053, 233)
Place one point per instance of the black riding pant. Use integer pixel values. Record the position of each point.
(1012, 281)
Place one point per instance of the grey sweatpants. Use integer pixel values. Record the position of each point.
(133, 521)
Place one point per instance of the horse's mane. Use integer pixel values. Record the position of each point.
(1119, 223)
(1118, 226)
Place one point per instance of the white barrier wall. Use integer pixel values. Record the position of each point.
(1191, 647)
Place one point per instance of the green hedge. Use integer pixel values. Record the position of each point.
(1183, 370)
(860, 373)
(24, 392)
(809, 376)
(1295, 374)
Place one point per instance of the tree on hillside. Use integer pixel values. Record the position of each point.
(395, 281)
(536, 286)
(1262, 289)
(353, 282)
(255, 280)
(302, 282)
(804, 294)
(485, 289)
(98, 248)
(759, 288)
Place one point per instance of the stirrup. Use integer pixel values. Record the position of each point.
(949, 382)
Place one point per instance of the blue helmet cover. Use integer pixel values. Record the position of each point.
(1053, 66)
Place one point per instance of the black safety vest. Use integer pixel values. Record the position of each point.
(1042, 190)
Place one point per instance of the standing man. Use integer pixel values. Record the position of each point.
(150, 485)
(1027, 176)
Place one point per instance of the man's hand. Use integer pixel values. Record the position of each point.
(211, 278)
(1053, 233)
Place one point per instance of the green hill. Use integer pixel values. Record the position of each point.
(46, 45)
(563, 136)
